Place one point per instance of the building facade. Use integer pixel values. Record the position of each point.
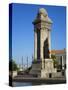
(60, 58)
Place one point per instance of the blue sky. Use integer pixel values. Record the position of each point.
(23, 30)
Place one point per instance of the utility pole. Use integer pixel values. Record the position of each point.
(19, 64)
(22, 63)
(32, 58)
(27, 62)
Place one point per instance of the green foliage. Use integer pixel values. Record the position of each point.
(54, 60)
(29, 68)
(13, 66)
(53, 57)
(34, 61)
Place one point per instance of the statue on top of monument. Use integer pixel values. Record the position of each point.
(43, 12)
(42, 15)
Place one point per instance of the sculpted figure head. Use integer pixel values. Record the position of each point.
(42, 11)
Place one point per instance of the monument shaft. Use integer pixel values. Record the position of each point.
(42, 28)
(42, 65)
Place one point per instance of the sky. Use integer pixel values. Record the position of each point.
(23, 29)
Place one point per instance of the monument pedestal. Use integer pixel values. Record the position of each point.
(43, 69)
(36, 68)
(48, 69)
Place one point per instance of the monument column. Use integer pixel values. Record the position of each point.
(49, 44)
(62, 63)
(43, 67)
(42, 26)
(35, 44)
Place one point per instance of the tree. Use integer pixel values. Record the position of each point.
(28, 69)
(13, 65)
(54, 60)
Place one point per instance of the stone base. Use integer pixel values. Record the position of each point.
(48, 69)
(43, 69)
(36, 68)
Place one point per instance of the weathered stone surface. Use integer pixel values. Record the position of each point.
(42, 35)
(42, 45)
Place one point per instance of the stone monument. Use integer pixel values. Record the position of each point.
(42, 66)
